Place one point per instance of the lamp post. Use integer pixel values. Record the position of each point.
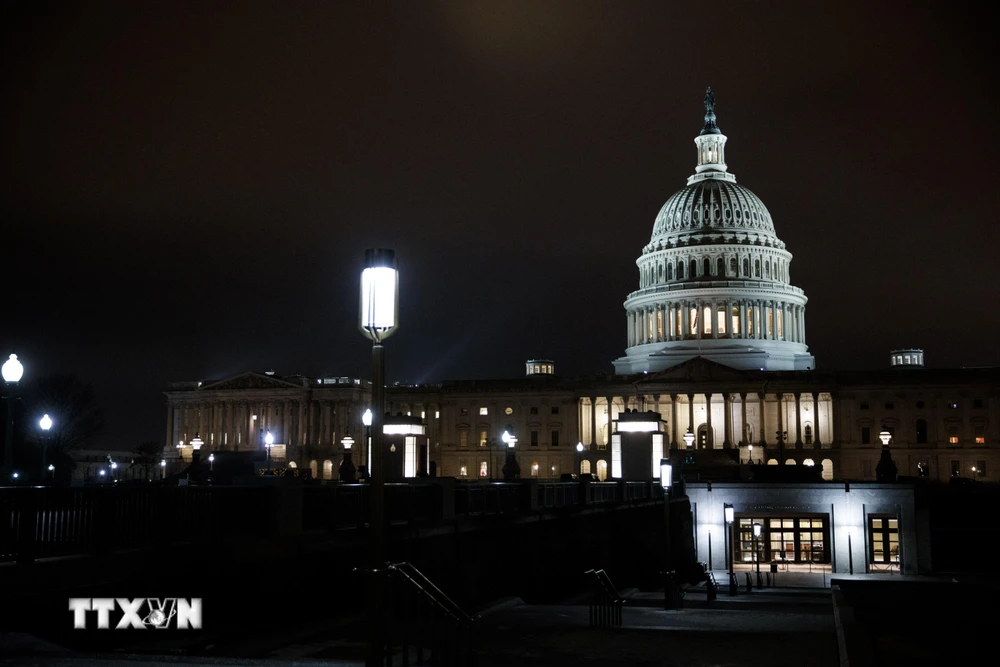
(45, 423)
(211, 463)
(756, 551)
(689, 438)
(710, 567)
(163, 468)
(268, 443)
(366, 419)
(579, 458)
(347, 470)
(12, 371)
(378, 310)
(850, 552)
(52, 472)
(114, 471)
(730, 514)
(101, 472)
(669, 584)
(510, 468)
(749, 454)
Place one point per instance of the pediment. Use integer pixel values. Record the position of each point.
(249, 380)
(700, 369)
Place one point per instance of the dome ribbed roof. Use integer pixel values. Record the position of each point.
(713, 204)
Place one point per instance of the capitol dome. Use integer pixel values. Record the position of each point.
(714, 278)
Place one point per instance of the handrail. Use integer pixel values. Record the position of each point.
(432, 592)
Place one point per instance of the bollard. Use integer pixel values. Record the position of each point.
(734, 585)
(749, 582)
(711, 594)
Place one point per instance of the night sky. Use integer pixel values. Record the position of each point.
(189, 187)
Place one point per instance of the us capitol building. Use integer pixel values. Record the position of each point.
(716, 345)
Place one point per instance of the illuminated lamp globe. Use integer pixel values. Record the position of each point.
(756, 530)
(579, 446)
(885, 436)
(366, 418)
(379, 304)
(45, 422)
(688, 438)
(12, 369)
(211, 458)
(51, 467)
(347, 442)
(197, 442)
(268, 439)
(666, 474)
(730, 513)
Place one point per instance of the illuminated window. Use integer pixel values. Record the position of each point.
(584, 467)
(482, 438)
(750, 320)
(463, 438)
(423, 414)
(464, 412)
(484, 411)
(906, 359)
(694, 321)
(508, 411)
(707, 315)
(534, 469)
(721, 319)
(483, 469)
(437, 414)
(328, 469)
(736, 321)
(659, 324)
(463, 471)
(953, 439)
(980, 440)
(770, 321)
(781, 324)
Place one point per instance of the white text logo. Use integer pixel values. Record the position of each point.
(139, 613)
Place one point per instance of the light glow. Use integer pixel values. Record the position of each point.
(347, 442)
(379, 303)
(197, 442)
(45, 422)
(689, 438)
(730, 513)
(12, 369)
(616, 456)
(404, 429)
(410, 456)
(637, 427)
(366, 418)
(268, 439)
(657, 454)
(756, 530)
(51, 467)
(666, 473)
(579, 446)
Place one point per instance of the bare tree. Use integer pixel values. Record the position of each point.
(72, 405)
(147, 454)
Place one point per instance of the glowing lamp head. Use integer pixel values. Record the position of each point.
(666, 474)
(163, 463)
(689, 438)
(579, 446)
(347, 442)
(269, 439)
(379, 305)
(756, 530)
(12, 369)
(197, 442)
(211, 458)
(366, 418)
(885, 436)
(16, 475)
(102, 472)
(730, 513)
(51, 467)
(45, 422)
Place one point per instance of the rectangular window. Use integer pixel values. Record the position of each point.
(534, 438)
(866, 468)
(889, 406)
(555, 438)
(555, 409)
(463, 470)
(980, 440)
(482, 438)
(866, 435)
(781, 324)
(981, 468)
(750, 321)
(977, 402)
(864, 405)
(953, 439)
(956, 468)
(484, 469)
(463, 438)
(533, 411)
(483, 412)
(437, 414)
(464, 412)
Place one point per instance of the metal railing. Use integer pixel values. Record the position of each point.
(605, 601)
(424, 626)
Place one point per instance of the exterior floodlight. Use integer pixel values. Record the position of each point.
(688, 438)
(885, 436)
(12, 369)
(268, 439)
(505, 437)
(730, 513)
(114, 466)
(16, 475)
(45, 422)
(666, 474)
(366, 418)
(51, 467)
(102, 472)
(579, 446)
(163, 463)
(756, 530)
(197, 442)
(379, 305)
(211, 458)
(347, 442)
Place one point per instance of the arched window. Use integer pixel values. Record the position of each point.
(659, 268)
(693, 270)
(680, 270)
(921, 431)
(732, 266)
(584, 467)
(772, 462)
(809, 463)
(328, 469)
(827, 469)
(735, 315)
(789, 462)
(314, 469)
(807, 433)
(602, 470)
(534, 468)
(746, 267)
(720, 267)
(756, 268)
(767, 269)
(706, 269)
(670, 271)
(293, 464)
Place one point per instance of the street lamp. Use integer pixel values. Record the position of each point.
(211, 462)
(101, 473)
(669, 585)
(510, 469)
(688, 438)
(268, 443)
(52, 471)
(45, 423)
(114, 471)
(756, 550)
(850, 552)
(885, 436)
(579, 458)
(366, 419)
(163, 468)
(749, 453)
(12, 371)
(730, 515)
(378, 314)
(347, 470)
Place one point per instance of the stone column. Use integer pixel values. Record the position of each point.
(715, 319)
(816, 432)
(763, 420)
(685, 320)
(727, 416)
(673, 418)
(691, 413)
(743, 318)
(798, 420)
(170, 441)
(743, 410)
(782, 436)
(593, 421)
(709, 434)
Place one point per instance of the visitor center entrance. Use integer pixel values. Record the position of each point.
(792, 543)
